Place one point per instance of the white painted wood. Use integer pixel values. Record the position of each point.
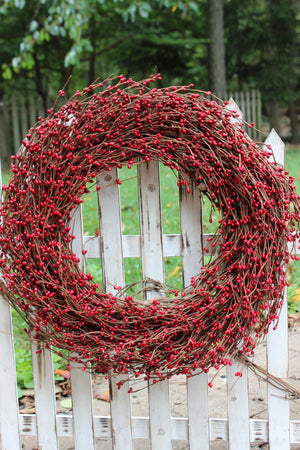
(198, 412)
(9, 425)
(277, 350)
(81, 381)
(9, 409)
(113, 274)
(179, 428)
(44, 395)
(153, 267)
(237, 389)
(192, 260)
(238, 407)
(233, 108)
(277, 146)
(172, 244)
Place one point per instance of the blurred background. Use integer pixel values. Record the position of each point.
(248, 49)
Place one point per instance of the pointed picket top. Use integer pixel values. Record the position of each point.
(232, 107)
(277, 146)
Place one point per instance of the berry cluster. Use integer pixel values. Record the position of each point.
(226, 309)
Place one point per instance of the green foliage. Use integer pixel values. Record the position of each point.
(94, 38)
(262, 39)
(23, 355)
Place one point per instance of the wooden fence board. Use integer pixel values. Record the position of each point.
(81, 381)
(9, 424)
(113, 274)
(44, 395)
(15, 124)
(238, 407)
(237, 389)
(153, 267)
(277, 351)
(9, 408)
(24, 117)
(192, 260)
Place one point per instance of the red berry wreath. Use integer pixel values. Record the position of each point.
(228, 306)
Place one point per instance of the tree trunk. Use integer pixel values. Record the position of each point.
(92, 57)
(216, 48)
(295, 138)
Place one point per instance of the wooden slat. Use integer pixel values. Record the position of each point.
(32, 111)
(254, 110)
(4, 148)
(152, 264)
(81, 381)
(277, 350)
(233, 107)
(15, 123)
(24, 117)
(192, 260)
(113, 274)
(249, 118)
(9, 425)
(237, 392)
(44, 395)
(238, 407)
(259, 112)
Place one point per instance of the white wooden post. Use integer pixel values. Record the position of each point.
(81, 381)
(9, 408)
(9, 423)
(238, 407)
(113, 274)
(44, 395)
(153, 267)
(277, 351)
(237, 388)
(192, 259)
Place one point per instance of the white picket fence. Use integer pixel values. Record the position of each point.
(198, 430)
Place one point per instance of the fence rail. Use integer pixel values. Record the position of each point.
(197, 430)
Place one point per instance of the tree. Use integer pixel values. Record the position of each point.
(263, 52)
(99, 37)
(216, 48)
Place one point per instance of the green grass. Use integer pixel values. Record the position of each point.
(292, 163)
(130, 225)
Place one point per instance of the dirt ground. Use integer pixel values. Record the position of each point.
(217, 400)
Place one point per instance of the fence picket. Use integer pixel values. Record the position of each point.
(192, 259)
(249, 117)
(23, 116)
(153, 267)
(113, 273)
(277, 351)
(237, 389)
(238, 407)
(4, 127)
(81, 381)
(32, 113)
(44, 395)
(15, 124)
(9, 423)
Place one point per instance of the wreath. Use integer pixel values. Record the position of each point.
(228, 306)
